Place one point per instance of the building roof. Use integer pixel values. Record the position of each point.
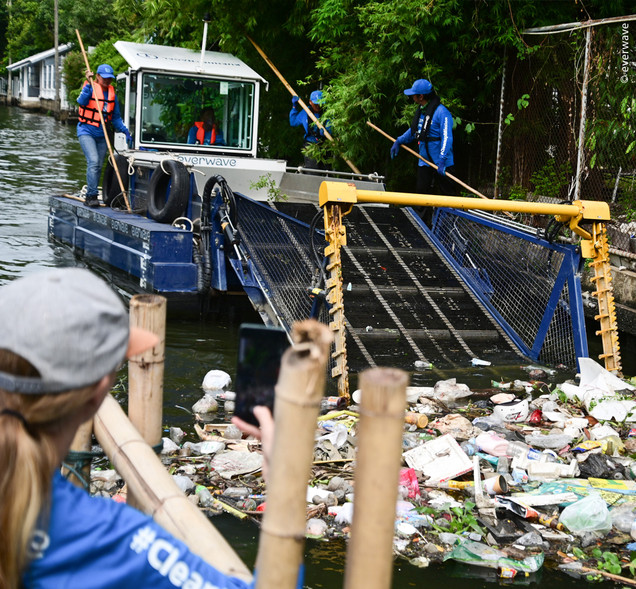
(39, 57)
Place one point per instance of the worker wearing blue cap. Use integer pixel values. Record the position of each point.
(432, 126)
(89, 128)
(313, 134)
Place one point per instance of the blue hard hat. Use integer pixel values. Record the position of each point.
(419, 87)
(316, 97)
(105, 71)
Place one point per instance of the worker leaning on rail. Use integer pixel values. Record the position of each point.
(89, 128)
(432, 126)
(313, 133)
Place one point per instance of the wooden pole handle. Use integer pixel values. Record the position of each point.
(426, 161)
(309, 112)
(103, 122)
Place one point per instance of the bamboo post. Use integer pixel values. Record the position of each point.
(157, 492)
(300, 386)
(370, 550)
(145, 371)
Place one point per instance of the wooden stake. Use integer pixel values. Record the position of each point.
(300, 386)
(145, 371)
(101, 118)
(309, 112)
(370, 549)
(157, 492)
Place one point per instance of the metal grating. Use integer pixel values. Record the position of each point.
(280, 247)
(526, 281)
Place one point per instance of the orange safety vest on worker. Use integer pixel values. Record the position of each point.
(89, 114)
(201, 133)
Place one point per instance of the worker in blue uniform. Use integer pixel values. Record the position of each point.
(313, 133)
(89, 128)
(432, 127)
(64, 334)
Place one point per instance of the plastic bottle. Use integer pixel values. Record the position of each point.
(205, 497)
(418, 419)
(469, 447)
(503, 465)
(522, 451)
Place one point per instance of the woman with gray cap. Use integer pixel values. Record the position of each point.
(432, 127)
(63, 334)
(89, 128)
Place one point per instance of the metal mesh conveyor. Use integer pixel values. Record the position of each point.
(530, 285)
(403, 301)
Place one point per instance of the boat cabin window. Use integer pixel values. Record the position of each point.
(173, 109)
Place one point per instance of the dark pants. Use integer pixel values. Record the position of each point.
(430, 182)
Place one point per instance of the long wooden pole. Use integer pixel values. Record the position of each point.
(309, 112)
(101, 118)
(370, 550)
(479, 194)
(157, 492)
(300, 386)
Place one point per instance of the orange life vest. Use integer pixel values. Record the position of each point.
(89, 114)
(201, 133)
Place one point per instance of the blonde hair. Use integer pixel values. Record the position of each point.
(28, 456)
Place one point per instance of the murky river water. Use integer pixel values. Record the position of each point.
(40, 157)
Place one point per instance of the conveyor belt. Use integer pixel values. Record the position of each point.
(403, 302)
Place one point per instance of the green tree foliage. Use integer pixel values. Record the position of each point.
(363, 53)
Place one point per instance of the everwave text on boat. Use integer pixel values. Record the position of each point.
(197, 160)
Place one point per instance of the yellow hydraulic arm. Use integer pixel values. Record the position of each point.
(337, 198)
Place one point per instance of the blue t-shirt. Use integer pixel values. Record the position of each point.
(98, 543)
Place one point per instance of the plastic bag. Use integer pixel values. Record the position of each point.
(589, 514)
(482, 555)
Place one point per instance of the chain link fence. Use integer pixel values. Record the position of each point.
(567, 124)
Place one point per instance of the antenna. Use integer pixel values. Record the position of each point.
(206, 20)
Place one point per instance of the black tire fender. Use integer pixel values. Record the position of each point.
(168, 191)
(110, 185)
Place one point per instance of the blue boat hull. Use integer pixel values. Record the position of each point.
(157, 254)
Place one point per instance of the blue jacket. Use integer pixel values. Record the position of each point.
(98, 543)
(440, 144)
(98, 132)
(313, 134)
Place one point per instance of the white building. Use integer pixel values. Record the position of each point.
(33, 80)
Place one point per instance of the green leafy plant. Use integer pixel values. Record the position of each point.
(549, 180)
(461, 518)
(517, 192)
(607, 561)
(274, 193)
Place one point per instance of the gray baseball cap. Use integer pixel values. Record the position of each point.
(70, 325)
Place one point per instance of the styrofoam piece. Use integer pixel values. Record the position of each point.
(439, 459)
